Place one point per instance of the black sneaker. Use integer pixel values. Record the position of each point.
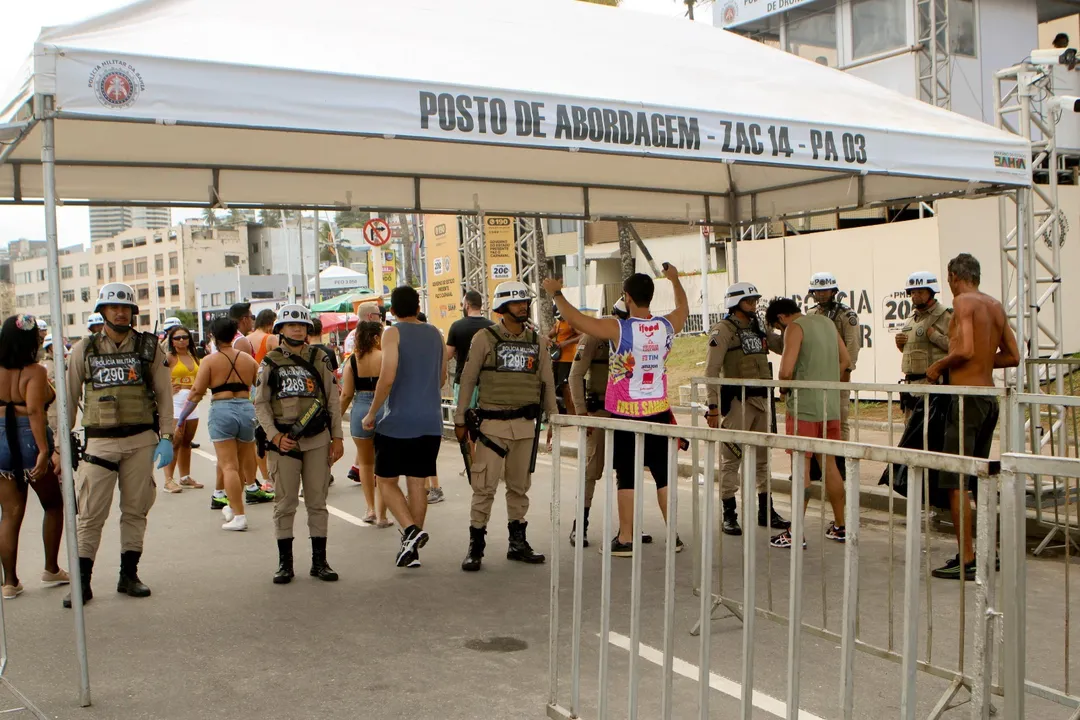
(354, 474)
(836, 532)
(412, 540)
(619, 549)
(951, 570)
(678, 543)
(218, 502)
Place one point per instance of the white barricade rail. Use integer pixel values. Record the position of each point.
(979, 678)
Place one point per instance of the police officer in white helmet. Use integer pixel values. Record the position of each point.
(516, 383)
(119, 375)
(298, 405)
(95, 323)
(738, 349)
(925, 337)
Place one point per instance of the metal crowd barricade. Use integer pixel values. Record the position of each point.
(25, 705)
(1053, 427)
(979, 677)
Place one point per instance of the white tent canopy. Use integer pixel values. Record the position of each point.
(514, 107)
(336, 277)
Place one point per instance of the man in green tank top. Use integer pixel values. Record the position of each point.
(813, 350)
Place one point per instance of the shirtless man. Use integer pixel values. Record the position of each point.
(980, 340)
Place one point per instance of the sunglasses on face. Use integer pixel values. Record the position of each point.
(181, 337)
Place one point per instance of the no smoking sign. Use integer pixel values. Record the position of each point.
(377, 232)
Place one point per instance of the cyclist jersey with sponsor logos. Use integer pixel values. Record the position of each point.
(637, 377)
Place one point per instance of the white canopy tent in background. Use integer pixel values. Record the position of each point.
(628, 117)
(338, 279)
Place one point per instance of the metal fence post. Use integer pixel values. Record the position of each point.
(1014, 581)
(912, 556)
(749, 487)
(798, 532)
(986, 531)
(553, 630)
(849, 626)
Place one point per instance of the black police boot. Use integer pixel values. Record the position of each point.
(519, 548)
(767, 515)
(731, 518)
(129, 581)
(86, 569)
(319, 567)
(284, 574)
(584, 531)
(477, 544)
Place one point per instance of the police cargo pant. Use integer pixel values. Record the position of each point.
(96, 483)
(753, 416)
(288, 474)
(488, 468)
(594, 458)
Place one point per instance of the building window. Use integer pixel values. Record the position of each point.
(144, 320)
(85, 316)
(230, 297)
(100, 273)
(129, 269)
(43, 298)
(66, 273)
(127, 243)
(205, 300)
(159, 263)
(160, 290)
(962, 28)
(144, 292)
(554, 227)
(140, 267)
(111, 247)
(173, 262)
(41, 276)
(215, 299)
(84, 270)
(232, 260)
(877, 26)
(254, 248)
(85, 294)
(97, 249)
(112, 271)
(69, 319)
(811, 34)
(68, 296)
(174, 290)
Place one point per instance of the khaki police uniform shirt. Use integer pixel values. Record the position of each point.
(482, 345)
(721, 336)
(264, 412)
(161, 378)
(847, 322)
(587, 349)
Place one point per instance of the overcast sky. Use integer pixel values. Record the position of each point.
(22, 22)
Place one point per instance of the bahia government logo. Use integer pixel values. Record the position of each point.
(731, 12)
(116, 84)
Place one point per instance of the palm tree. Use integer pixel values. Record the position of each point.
(211, 218)
(270, 218)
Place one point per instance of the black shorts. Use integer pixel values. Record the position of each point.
(412, 457)
(980, 422)
(561, 371)
(656, 453)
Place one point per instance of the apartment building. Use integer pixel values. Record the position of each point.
(162, 265)
(107, 222)
(77, 287)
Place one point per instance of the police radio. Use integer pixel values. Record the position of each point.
(298, 427)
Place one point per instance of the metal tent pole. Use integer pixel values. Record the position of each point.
(581, 267)
(48, 169)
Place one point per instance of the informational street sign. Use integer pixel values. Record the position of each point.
(740, 12)
(377, 232)
(499, 249)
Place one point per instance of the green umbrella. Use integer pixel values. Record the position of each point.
(341, 303)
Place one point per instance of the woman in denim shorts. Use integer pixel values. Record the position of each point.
(358, 380)
(228, 374)
(27, 455)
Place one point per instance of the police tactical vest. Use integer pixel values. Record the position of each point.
(840, 314)
(919, 352)
(294, 390)
(747, 354)
(510, 376)
(598, 370)
(118, 390)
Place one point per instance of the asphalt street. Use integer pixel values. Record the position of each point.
(218, 640)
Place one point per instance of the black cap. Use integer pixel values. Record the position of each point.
(240, 310)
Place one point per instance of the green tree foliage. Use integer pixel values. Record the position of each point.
(270, 218)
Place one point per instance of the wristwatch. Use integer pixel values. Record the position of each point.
(167, 436)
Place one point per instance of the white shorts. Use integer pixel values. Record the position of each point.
(179, 400)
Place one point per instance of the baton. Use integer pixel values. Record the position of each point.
(466, 455)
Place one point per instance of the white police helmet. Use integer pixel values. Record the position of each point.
(823, 281)
(292, 314)
(738, 292)
(115, 293)
(508, 292)
(923, 280)
(47, 343)
(170, 323)
(94, 319)
(42, 325)
(619, 309)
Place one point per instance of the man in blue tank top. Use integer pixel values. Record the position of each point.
(407, 437)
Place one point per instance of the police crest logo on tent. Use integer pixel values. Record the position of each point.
(116, 84)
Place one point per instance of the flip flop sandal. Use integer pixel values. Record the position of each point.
(368, 519)
(382, 525)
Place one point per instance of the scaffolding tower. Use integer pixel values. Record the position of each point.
(934, 52)
(474, 256)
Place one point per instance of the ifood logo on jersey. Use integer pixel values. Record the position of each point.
(648, 330)
(116, 84)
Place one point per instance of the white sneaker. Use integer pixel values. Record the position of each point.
(227, 513)
(238, 523)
